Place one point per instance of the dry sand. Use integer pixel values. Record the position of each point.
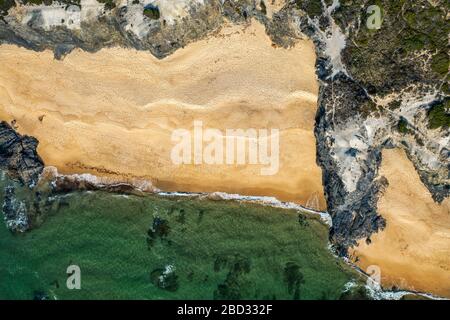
(414, 250)
(112, 113)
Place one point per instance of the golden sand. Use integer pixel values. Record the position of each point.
(414, 250)
(112, 113)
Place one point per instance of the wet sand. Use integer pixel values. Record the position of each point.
(413, 252)
(112, 113)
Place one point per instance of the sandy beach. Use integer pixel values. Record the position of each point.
(112, 113)
(413, 251)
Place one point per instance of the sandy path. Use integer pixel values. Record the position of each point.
(113, 112)
(414, 250)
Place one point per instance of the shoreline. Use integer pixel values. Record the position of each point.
(86, 182)
(377, 292)
(112, 113)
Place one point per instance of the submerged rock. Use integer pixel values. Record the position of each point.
(160, 229)
(165, 278)
(40, 295)
(294, 279)
(233, 285)
(15, 212)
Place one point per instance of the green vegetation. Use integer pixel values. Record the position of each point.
(263, 7)
(394, 104)
(402, 126)
(130, 247)
(383, 58)
(440, 63)
(46, 2)
(152, 12)
(355, 293)
(36, 2)
(5, 5)
(109, 4)
(312, 7)
(414, 42)
(428, 29)
(439, 115)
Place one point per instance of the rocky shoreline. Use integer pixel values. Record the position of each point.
(359, 113)
(18, 155)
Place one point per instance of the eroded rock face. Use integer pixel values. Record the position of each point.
(91, 26)
(378, 87)
(374, 95)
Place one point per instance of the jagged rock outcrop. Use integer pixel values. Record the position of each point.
(19, 159)
(360, 110)
(93, 27)
(18, 155)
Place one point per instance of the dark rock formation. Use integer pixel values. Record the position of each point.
(112, 28)
(160, 229)
(234, 284)
(18, 155)
(352, 127)
(294, 279)
(165, 279)
(15, 212)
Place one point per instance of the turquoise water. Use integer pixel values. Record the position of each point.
(209, 249)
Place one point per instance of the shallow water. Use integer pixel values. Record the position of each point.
(217, 249)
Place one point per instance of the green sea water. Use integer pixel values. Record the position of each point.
(130, 247)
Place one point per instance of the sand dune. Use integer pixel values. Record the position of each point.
(414, 250)
(112, 113)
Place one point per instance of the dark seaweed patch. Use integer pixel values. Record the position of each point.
(294, 279)
(233, 285)
(160, 229)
